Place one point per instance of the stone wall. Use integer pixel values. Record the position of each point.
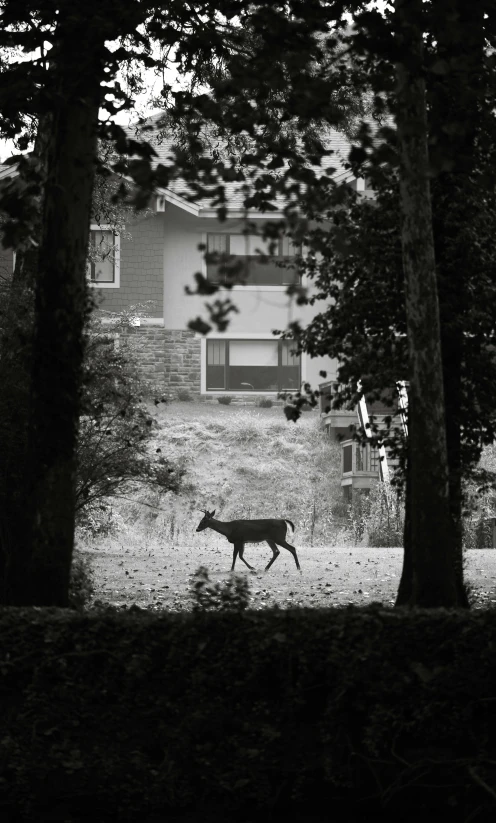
(170, 360)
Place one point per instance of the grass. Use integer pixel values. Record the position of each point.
(248, 463)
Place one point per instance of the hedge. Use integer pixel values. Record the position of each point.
(367, 712)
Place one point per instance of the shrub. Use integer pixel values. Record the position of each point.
(225, 399)
(115, 427)
(184, 395)
(386, 517)
(233, 595)
(82, 582)
(97, 520)
(169, 476)
(265, 403)
(379, 515)
(115, 715)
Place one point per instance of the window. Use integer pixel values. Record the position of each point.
(237, 256)
(252, 365)
(103, 267)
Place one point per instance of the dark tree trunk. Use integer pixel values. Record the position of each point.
(40, 570)
(456, 116)
(428, 515)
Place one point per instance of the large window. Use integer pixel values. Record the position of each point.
(104, 257)
(252, 365)
(236, 256)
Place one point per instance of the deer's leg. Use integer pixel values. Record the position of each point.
(290, 549)
(235, 554)
(241, 548)
(275, 553)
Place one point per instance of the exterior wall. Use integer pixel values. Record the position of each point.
(157, 263)
(261, 308)
(141, 269)
(168, 360)
(182, 361)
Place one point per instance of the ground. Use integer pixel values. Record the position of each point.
(329, 576)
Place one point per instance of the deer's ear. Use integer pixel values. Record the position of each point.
(212, 514)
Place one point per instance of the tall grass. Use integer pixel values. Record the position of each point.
(244, 463)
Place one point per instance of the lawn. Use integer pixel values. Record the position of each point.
(249, 462)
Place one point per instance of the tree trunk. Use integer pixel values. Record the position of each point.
(60, 306)
(433, 576)
(456, 117)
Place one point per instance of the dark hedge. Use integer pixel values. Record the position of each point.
(366, 713)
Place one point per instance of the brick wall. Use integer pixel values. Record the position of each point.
(168, 359)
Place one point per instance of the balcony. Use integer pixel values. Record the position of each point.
(269, 273)
(360, 466)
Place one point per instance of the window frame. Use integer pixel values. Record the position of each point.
(94, 284)
(249, 339)
(249, 286)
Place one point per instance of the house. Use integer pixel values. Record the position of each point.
(160, 260)
(156, 258)
(362, 465)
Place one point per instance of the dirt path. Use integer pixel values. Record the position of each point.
(329, 577)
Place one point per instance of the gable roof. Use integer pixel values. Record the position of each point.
(179, 192)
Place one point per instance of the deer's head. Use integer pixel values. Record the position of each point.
(205, 521)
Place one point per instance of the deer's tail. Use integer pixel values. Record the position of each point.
(290, 523)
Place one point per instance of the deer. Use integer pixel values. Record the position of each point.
(239, 532)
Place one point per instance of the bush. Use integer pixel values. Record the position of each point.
(97, 520)
(184, 395)
(225, 399)
(386, 517)
(115, 427)
(265, 403)
(380, 714)
(82, 583)
(234, 595)
(377, 515)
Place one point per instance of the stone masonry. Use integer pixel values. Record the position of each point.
(170, 360)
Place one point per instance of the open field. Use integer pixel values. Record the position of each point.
(249, 462)
(329, 576)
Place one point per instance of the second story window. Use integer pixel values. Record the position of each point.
(103, 258)
(250, 257)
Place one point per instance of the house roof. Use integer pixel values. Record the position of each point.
(180, 194)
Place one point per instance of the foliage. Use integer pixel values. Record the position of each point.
(115, 428)
(184, 395)
(97, 520)
(82, 583)
(378, 516)
(265, 403)
(225, 399)
(381, 714)
(480, 503)
(233, 595)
